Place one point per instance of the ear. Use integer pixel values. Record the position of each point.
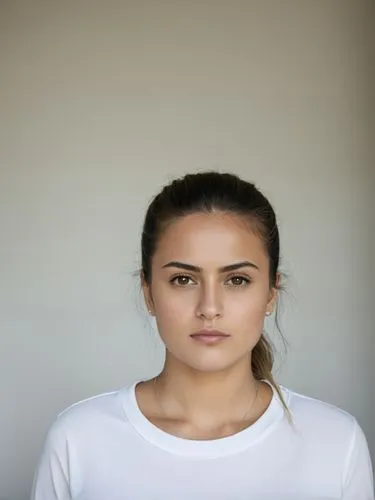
(274, 291)
(146, 289)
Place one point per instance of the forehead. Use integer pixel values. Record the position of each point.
(209, 239)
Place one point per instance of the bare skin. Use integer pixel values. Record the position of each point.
(207, 391)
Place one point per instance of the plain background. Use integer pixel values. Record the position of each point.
(104, 102)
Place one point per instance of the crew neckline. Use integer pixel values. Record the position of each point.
(205, 448)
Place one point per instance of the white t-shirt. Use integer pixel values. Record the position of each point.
(104, 448)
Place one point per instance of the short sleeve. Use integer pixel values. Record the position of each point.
(51, 479)
(358, 481)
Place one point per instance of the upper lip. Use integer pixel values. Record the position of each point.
(211, 333)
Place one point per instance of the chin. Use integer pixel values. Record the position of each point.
(207, 365)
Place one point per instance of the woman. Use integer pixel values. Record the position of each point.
(213, 424)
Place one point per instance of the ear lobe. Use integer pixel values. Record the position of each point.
(143, 280)
(272, 298)
(146, 288)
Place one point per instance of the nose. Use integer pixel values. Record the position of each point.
(209, 304)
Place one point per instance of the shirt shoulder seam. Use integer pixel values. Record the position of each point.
(322, 403)
(86, 400)
(349, 454)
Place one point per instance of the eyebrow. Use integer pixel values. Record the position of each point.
(224, 269)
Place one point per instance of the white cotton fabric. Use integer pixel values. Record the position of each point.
(104, 448)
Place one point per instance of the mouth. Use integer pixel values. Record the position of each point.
(209, 336)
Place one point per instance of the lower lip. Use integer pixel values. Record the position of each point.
(209, 339)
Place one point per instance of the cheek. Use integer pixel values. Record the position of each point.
(249, 302)
(172, 306)
(246, 319)
(246, 314)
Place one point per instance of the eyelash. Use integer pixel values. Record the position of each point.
(245, 280)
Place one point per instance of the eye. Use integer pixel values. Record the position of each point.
(181, 280)
(239, 281)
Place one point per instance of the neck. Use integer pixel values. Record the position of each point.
(193, 394)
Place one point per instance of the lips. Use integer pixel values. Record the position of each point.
(209, 336)
(209, 333)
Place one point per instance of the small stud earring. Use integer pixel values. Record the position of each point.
(268, 313)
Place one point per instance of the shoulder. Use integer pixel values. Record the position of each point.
(302, 402)
(334, 436)
(320, 423)
(88, 416)
(303, 406)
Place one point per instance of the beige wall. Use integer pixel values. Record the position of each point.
(103, 102)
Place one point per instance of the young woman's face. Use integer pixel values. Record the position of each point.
(193, 288)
